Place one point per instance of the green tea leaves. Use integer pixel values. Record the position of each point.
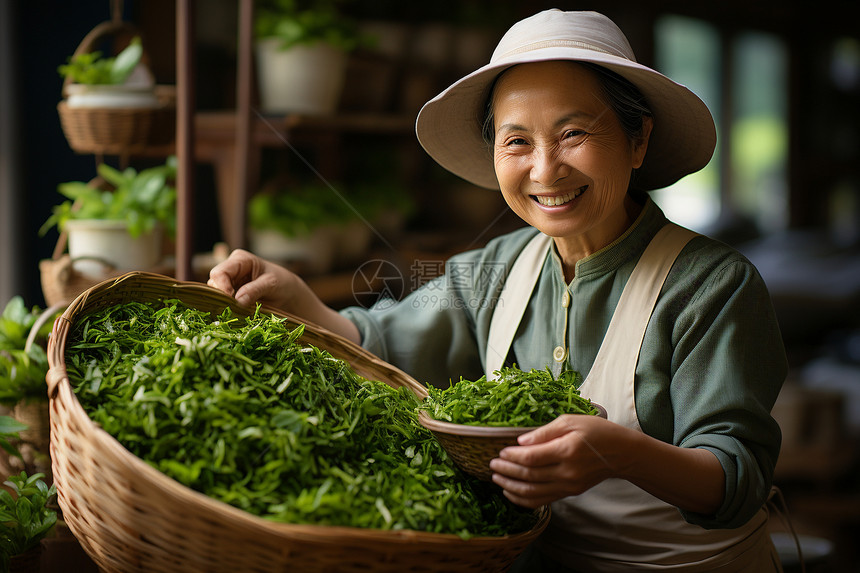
(241, 410)
(513, 399)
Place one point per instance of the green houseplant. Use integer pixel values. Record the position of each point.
(302, 48)
(25, 518)
(122, 227)
(93, 80)
(296, 226)
(23, 368)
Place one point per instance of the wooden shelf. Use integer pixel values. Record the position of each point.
(217, 140)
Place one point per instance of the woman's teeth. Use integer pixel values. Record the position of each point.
(559, 199)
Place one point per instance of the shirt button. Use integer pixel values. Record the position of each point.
(565, 299)
(559, 354)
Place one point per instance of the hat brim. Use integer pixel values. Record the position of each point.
(682, 140)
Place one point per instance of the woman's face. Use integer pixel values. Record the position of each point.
(561, 157)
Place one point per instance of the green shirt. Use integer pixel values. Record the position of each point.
(710, 367)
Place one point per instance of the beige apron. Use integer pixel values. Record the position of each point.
(616, 526)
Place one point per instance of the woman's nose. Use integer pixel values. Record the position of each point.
(548, 167)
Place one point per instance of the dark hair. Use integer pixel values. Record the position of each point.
(623, 97)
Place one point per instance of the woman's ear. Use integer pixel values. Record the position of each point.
(640, 145)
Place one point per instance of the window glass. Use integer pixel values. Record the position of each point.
(688, 51)
(759, 132)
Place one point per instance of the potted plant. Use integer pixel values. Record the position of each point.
(25, 519)
(23, 368)
(123, 227)
(94, 80)
(302, 48)
(296, 226)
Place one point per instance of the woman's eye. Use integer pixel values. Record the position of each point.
(513, 141)
(573, 133)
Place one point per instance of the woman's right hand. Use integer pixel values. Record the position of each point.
(251, 279)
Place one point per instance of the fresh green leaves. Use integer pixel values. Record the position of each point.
(22, 370)
(242, 411)
(25, 517)
(296, 212)
(297, 22)
(91, 68)
(141, 199)
(9, 428)
(514, 399)
(16, 322)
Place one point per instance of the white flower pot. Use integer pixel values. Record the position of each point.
(306, 79)
(111, 96)
(94, 243)
(315, 252)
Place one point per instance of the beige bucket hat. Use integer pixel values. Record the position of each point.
(683, 137)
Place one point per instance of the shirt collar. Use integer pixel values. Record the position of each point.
(629, 245)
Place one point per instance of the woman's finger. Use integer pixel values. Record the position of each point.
(240, 268)
(529, 502)
(523, 472)
(528, 494)
(555, 429)
(260, 289)
(538, 455)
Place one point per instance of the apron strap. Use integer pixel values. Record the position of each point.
(619, 351)
(512, 302)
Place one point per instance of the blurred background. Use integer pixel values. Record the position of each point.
(783, 83)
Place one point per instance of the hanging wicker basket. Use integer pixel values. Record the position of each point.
(130, 517)
(117, 130)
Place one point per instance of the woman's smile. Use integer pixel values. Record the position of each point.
(559, 200)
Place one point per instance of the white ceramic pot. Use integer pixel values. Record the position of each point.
(112, 96)
(306, 79)
(94, 243)
(314, 252)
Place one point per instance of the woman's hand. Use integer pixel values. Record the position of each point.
(565, 457)
(573, 453)
(251, 279)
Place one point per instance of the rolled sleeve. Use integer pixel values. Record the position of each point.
(728, 367)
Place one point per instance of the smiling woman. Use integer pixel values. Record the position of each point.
(562, 158)
(673, 332)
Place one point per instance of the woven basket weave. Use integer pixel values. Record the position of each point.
(130, 517)
(472, 447)
(122, 130)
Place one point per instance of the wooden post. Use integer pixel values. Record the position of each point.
(238, 238)
(185, 108)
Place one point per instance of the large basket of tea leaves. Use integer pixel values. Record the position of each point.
(191, 434)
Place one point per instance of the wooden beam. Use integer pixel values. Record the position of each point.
(185, 108)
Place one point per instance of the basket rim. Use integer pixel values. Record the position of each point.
(64, 108)
(60, 389)
(444, 427)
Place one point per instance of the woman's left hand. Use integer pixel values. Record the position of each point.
(565, 457)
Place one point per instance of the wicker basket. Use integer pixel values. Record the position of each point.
(117, 131)
(130, 517)
(472, 447)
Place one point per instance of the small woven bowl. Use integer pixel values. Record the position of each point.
(472, 447)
